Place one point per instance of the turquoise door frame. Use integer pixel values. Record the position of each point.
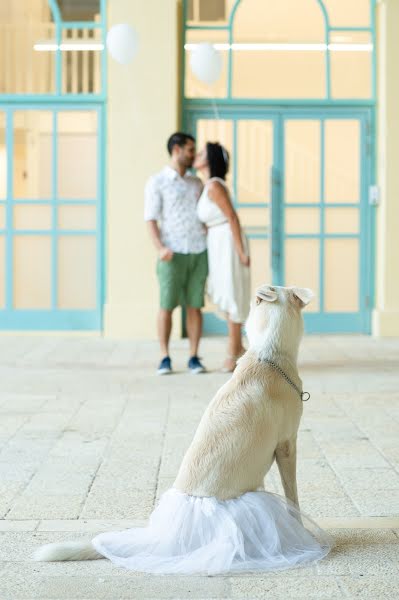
(322, 321)
(53, 318)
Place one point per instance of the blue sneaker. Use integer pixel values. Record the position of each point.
(165, 366)
(194, 366)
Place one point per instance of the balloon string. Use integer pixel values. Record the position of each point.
(215, 108)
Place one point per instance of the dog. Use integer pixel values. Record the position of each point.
(252, 420)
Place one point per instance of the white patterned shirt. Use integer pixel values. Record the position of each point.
(172, 201)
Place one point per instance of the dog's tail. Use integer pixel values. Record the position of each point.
(67, 551)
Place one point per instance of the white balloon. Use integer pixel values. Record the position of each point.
(206, 63)
(122, 43)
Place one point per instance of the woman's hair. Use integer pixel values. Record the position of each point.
(218, 160)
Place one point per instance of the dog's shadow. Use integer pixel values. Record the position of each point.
(355, 549)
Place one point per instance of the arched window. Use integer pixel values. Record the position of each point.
(51, 47)
(52, 154)
(285, 49)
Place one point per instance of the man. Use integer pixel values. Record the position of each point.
(171, 198)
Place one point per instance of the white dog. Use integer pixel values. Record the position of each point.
(217, 517)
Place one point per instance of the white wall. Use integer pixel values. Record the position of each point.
(386, 314)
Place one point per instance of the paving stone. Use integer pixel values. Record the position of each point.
(362, 552)
(22, 525)
(117, 504)
(373, 588)
(364, 479)
(98, 587)
(90, 438)
(60, 506)
(85, 525)
(278, 586)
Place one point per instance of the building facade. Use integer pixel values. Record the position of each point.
(306, 105)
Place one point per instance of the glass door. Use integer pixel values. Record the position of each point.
(324, 217)
(51, 218)
(299, 182)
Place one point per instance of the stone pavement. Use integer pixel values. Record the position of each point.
(89, 439)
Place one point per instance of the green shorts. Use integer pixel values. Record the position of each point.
(182, 280)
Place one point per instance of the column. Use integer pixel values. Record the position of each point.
(143, 100)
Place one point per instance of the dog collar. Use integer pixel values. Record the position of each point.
(304, 396)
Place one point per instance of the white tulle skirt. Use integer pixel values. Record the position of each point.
(190, 534)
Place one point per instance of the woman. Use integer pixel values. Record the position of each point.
(228, 255)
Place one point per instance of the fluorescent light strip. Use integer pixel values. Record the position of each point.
(291, 47)
(67, 46)
(81, 46)
(45, 47)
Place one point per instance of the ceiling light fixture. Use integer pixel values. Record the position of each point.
(290, 47)
(68, 46)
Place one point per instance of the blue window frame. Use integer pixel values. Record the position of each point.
(280, 111)
(56, 316)
(53, 317)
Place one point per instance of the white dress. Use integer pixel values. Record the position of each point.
(229, 285)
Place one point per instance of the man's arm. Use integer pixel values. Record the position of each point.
(164, 252)
(152, 214)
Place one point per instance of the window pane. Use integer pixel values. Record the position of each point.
(351, 74)
(346, 36)
(212, 10)
(342, 161)
(190, 10)
(81, 69)
(342, 220)
(32, 217)
(33, 131)
(277, 21)
(302, 161)
(302, 220)
(275, 72)
(2, 271)
(2, 216)
(3, 157)
(355, 13)
(32, 272)
(254, 217)
(77, 155)
(341, 284)
(254, 160)
(302, 267)
(26, 33)
(75, 10)
(279, 74)
(77, 273)
(77, 217)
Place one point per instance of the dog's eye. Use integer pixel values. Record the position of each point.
(258, 300)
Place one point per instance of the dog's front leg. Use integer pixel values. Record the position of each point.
(286, 462)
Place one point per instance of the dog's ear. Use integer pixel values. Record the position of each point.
(266, 293)
(302, 296)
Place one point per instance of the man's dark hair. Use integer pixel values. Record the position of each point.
(218, 160)
(178, 139)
